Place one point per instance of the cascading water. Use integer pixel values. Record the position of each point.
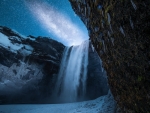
(71, 82)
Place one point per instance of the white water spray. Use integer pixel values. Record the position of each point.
(71, 82)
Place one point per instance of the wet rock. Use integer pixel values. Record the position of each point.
(97, 84)
(126, 53)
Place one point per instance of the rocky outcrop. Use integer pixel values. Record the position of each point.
(28, 67)
(119, 31)
(97, 84)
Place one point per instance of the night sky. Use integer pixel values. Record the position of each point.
(50, 18)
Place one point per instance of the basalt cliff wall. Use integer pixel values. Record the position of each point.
(120, 33)
(28, 67)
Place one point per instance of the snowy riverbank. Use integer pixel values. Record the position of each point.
(104, 104)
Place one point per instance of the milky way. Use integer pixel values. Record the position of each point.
(34, 19)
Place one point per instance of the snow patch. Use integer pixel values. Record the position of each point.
(133, 4)
(15, 38)
(122, 31)
(104, 46)
(25, 52)
(103, 104)
(109, 19)
(14, 47)
(28, 47)
(6, 43)
(4, 40)
(110, 28)
(108, 34)
(33, 39)
(52, 57)
(131, 23)
(112, 40)
(102, 25)
(22, 36)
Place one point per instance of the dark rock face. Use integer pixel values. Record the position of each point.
(120, 33)
(97, 84)
(28, 67)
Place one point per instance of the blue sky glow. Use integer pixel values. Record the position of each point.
(50, 18)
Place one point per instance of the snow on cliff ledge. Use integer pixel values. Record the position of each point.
(14, 47)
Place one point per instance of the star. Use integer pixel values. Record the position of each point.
(54, 18)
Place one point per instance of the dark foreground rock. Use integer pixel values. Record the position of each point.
(119, 30)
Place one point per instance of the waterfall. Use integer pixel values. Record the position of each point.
(71, 82)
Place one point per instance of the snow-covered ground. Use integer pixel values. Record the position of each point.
(104, 104)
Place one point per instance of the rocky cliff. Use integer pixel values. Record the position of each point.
(119, 31)
(97, 84)
(28, 67)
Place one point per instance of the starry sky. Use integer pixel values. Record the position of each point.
(49, 18)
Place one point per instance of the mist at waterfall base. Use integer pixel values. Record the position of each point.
(71, 81)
